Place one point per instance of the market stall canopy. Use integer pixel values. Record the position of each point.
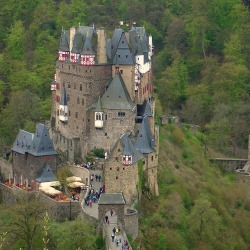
(49, 190)
(76, 184)
(50, 184)
(73, 178)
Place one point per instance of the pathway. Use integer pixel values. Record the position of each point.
(93, 211)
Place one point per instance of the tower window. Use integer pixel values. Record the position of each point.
(121, 71)
(82, 101)
(121, 114)
(116, 177)
(76, 115)
(98, 116)
(78, 100)
(81, 87)
(69, 85)
(74, 85)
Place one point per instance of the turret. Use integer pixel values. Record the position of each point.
(127, 152)
(64, 47)
(87, 54)
(63, 107)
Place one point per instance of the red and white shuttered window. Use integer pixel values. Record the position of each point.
(74, 57)
(87, 59)
(63, 55)
(127, 160)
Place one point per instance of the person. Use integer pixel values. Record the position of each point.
(117, 231)
(117, 242)
(111, 212)
(90, 203)
(112, 237)
(114, 229)
(106, 218)
(108, 222)
(99, 177)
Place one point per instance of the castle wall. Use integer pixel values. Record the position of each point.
(58, 211)
(30, 166)
(131, 219)
(114, 127)
(81, 172)
(84, 84)
(121, 178)
(70, 147)
(6, 169)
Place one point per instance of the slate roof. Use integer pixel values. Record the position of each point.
(138, 42)
(41, 143)
(83, 40)
(64, 44)
(98, 107)
(37, 144)
(63, 100)
(145, 141)
(130, 149)
(116, 96)
(47, 174)
(111, 199)
(22, 142)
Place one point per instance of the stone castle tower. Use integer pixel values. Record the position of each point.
(102, 91)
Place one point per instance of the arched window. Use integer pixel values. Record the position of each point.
(98, 116)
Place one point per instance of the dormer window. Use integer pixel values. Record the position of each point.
(127, 159)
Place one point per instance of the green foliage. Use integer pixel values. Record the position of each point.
(99, 152)
(73, 235)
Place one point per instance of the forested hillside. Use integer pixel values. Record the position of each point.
(201, 65)
(202, 74)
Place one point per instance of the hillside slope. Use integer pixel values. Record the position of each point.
(198, 206)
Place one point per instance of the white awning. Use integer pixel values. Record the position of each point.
(49, 190)
(75, 184)
(50, 184)
(73, 178)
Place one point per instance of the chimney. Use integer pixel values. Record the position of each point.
(101, 46)
(72, 33)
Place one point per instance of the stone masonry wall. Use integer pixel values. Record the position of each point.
(114, 127)
(83, 84)
(71, 147)
(131, 223)
(121, 178)
(81, 172)
(58, 211)
(6, 169)
(30, 166)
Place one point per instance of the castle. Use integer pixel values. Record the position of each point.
(103, 93)
(102, 98)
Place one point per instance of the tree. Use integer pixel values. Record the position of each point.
(77, 234)
(203, 222)
(23, 221)
(15, 41)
